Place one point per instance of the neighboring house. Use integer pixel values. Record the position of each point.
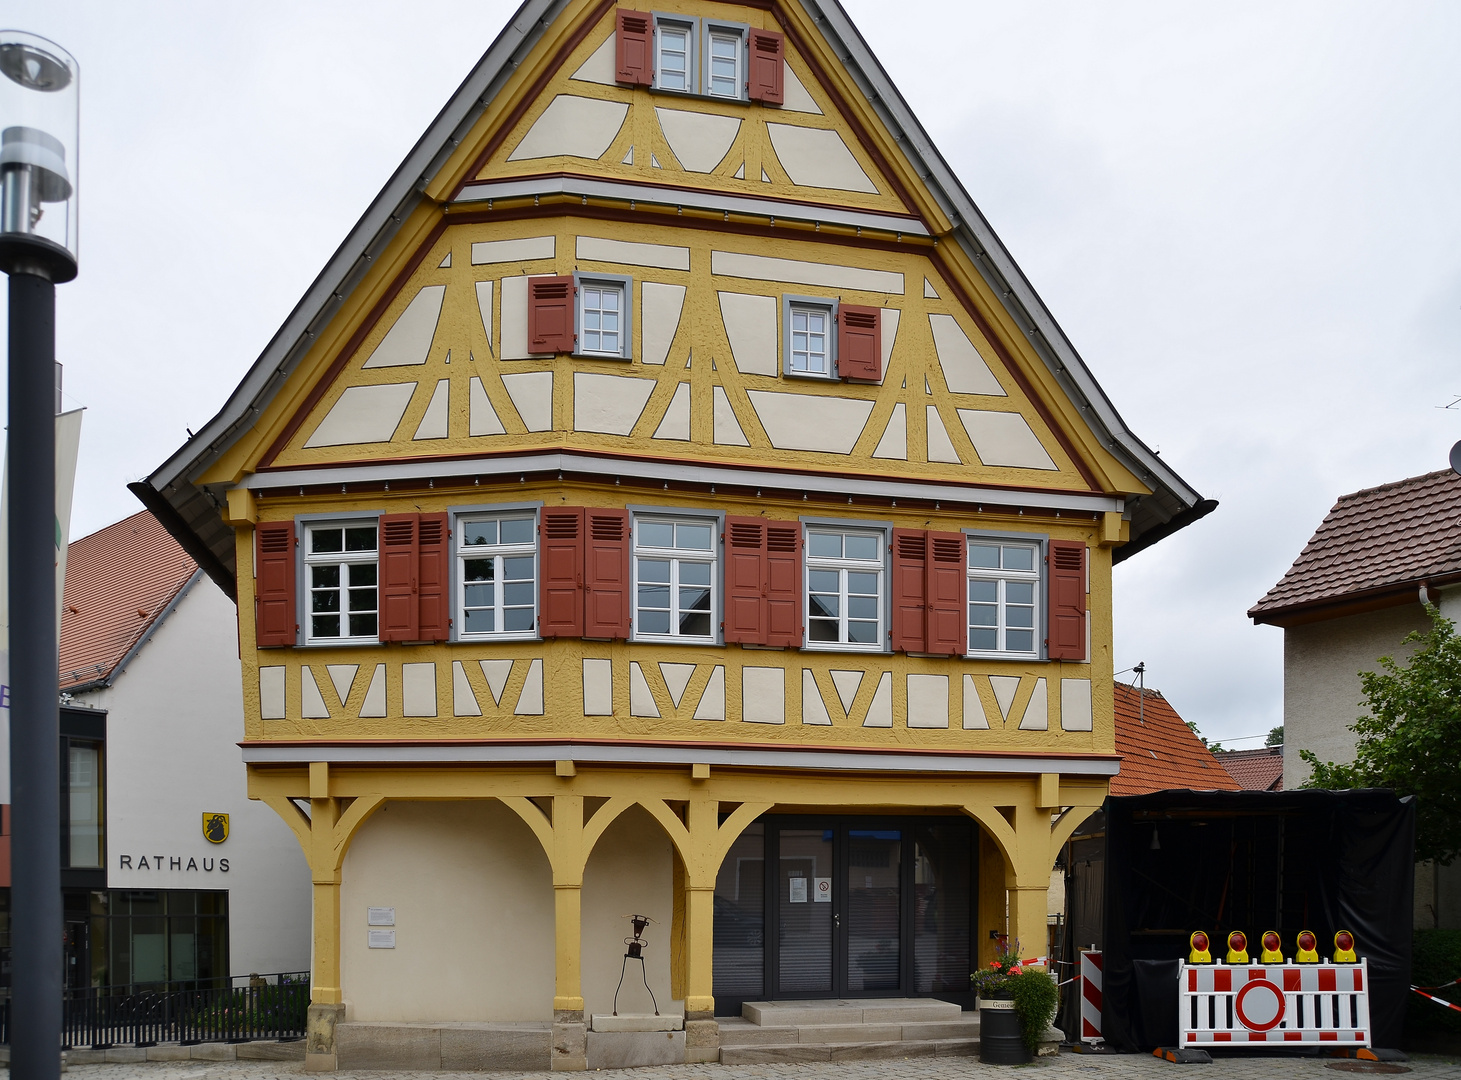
(149, 647)
(1255, 770)
(1353, 594)
(673, 499)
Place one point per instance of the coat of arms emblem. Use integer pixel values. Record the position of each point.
(215, 828)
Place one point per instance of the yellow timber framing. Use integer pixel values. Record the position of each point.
(568, 809)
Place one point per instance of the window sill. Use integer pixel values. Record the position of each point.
(844, 647)
(1026, 658)
(341, 643)
(812, 376)
(489, 639)
(696, 95)
(652, 639)
(613, 357)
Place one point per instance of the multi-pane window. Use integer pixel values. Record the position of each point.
(497, 575)
(672, 68)
(724, 64)
(809, 353)
(1004, 587)
(674, 578)
(340, 563)
(844, 587)
(601, 325)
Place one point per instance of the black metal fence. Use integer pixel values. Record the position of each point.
(239, 1009)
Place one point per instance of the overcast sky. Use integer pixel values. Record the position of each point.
(1244, 215)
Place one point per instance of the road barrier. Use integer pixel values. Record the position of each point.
(1289, 1004)
(1090, 997)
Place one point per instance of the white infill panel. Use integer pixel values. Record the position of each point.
(727, 428)
(940, 446)
(794, 96)
(763, 695)
(374, 704)
(814, 709)
(676, 677)
(271, 693)
(750, 326)
(659, 318)
(880, 712)
(433, 422)
(1037, 712)
(408, 340)
(827, 275)
(418, 689)
(641, 700)
(598, 687)
(700, 140)
(894, 443)
(928, 701)
(482, 417)
(484, 309)
(847, 683)
(891, 318)
(530, 701)
(572, 126)
(675, 424)
(532, 396)
(1005, 438)
(343, 678)
(496, 673)
(828, 425)
(364, 414)
(817, 157)
(1075, 704)
(964, 369)
(600, 66)
(464, 699)
(1005, 687)
(522, 249)
(664, 256)
(712, 700)
(311, 701)
(974, 715)
(608, 404)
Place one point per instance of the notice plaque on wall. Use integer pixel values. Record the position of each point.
(381, 939)
(822, 890)
(798, 890)
(380, 916)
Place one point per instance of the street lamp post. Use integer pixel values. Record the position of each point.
(38, 143)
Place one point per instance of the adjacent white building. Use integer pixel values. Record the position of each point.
(150, 641)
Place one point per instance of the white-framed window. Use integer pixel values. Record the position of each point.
(675, 588)
(674, 54)
(602, 316)
(845, 582)
(497, 575)
(1004, 597)
(809, 340)
(342, 589)
(725, 60)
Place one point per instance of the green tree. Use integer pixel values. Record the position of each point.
(1275, 737)
(1410, 739)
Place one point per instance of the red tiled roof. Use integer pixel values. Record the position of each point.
(1255, 770)
(1383, 538)
(118, 581)
(1158, 750)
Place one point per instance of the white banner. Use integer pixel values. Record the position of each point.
(68, 446)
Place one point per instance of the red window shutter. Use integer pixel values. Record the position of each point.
(1067, 616)
(910, 584)
(400, 607)
(560, 570)
(550, 314)
(783, 584)
(745, 579)
(433, 575)
(632, 48)
(945, 592)
(606, 574)
(274, 607)
(764, 82)
(860, 342)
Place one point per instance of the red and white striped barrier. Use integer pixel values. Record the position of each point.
(1291, 1004)
(1090, 997)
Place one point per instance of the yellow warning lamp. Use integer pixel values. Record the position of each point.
(1308, 948)
(1200, 946)
(1237, 948)
(1272, 948)
(1344, 948)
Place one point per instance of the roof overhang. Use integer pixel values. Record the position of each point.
(193, 514)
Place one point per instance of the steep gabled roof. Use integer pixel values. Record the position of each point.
(193, 515)
(1158, 750)
(1376, 547)
(1255, 770)
(121, 581)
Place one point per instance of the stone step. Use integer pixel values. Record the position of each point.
(848, 1011)
(853, 1051)
(738, 1031)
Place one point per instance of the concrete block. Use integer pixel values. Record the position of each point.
(271, 1051)
(744, 1033)
(631, 1049)
(570, 1046)
(636, 1022)
(848, 1033)
(171, 1052)
(907, 1011)
(955, 1047)
(479, 1048)
(795, 1013)
(319, 1063)
(320, 1021)
(967, 1028)
(214, 1052)
(126, 1055)
(770, 1055)
(387, 1046)
(73, 1057)
(881, 1051)
(702, 1033)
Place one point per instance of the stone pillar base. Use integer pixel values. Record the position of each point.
(570, 1041)
(702, 1037)
(319, 1044)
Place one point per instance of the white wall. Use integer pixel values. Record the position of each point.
(175, 716)
(1321, 685)
(473, 895)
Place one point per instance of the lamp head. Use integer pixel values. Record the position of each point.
(39, 124)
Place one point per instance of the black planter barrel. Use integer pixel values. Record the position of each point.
(999, 1034)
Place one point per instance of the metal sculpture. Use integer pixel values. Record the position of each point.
(634, 950)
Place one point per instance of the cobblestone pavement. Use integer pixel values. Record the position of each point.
(1067, 1065)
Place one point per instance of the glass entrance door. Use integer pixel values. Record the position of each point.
(805, 912)
(871, 915)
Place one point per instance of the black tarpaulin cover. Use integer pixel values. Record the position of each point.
(1179, 861)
